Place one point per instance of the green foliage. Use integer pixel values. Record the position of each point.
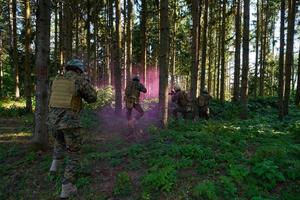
(205, 190)
(123, 185)
(238, 172)
(162, 179)
(269, 172)
(104, 97)
(229, 188)
(88, 119)
(83, 181)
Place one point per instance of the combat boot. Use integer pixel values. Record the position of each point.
(67, 190)
(54, 166)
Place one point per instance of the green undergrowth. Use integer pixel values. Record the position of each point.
(223, 158)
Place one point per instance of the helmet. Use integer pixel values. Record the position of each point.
(136, 78)
(177, 88)
(204, 91)
(75, 64)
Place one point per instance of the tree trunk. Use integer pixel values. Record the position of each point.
(173, 58)
(281, 61)
(257, 47)
(222, 91)
(77, 30)
(1, 66)
(144, 40)
(27, 66)
(289, 59)
(130, 16)
(204, 46)
(112, 40)
(61, 37)
(297, 97)
(163, 62)
(55, 35)
(245, 70)
(237, 54)
(118, 76)
(107, 74)
(195, 49)
(40, 138)
(88, 38)
(15, 49)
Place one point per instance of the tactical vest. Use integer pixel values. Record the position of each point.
(63, 94)
(131, 94)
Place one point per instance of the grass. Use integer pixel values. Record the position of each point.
(223, 158)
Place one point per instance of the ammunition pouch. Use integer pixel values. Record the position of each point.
(63, 94)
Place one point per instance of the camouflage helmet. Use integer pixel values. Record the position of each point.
(204, 91)
(136, 78)
(75, 64)
(177, 88)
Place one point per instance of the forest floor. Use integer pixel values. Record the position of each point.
(222, 158)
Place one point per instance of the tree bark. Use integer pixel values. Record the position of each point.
(245, 70)
(118, 76)
(297, 97)
(195, 49)
(222, 91)
(27, 66)
(55, 35)
(40, 137)
(61, 37)
(173, 57)
(237, 54)
(204, 47)
(257, 47)
(281, 61)
(1, 65)
(144, 40)
(130, 16)
(289, 59)
(15, 49)
(164, 62)
(88, 38)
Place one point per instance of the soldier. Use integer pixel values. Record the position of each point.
(203, 104)
(132, 99)
(67, 92)
(181, 101)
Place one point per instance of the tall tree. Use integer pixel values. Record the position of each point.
(223, 33)
(173, 43)
(1, 65)
(195, 49)
(15, 49)
(237, 54)
(144, 39)
(164, 61)
(281, 61)
(289, 59)
(204, 47)
(68, 29)
(118, 76)
(40, 137)
(245, 69)
(129, 39)
(27, 56)
(256, 47)
(297, 97)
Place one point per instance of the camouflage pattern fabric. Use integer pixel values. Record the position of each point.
(61, 118)
(203, 105)
(132, 92)
(65, 127)
(183, 105)
(68, 141)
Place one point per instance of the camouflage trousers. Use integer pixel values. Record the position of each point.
(182, 110)
(68, 142)
(138, 108)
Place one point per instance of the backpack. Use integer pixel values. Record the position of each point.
(183, 98)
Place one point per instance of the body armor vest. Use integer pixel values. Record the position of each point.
(63, 94)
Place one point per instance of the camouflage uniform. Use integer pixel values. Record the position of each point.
(203, 105)
(133, 100)
(65, 128)
(182, 104)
